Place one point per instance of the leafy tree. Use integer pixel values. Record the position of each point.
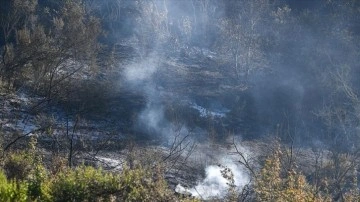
(48, 50)
(272, 184)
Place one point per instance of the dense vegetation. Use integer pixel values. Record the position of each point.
(177, 72)
(24, 177)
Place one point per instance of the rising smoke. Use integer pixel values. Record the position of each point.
(276, 68)
(215, 184)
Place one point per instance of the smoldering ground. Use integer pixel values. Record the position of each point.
(269, 67)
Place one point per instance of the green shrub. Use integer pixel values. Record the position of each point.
(12, 191)
(83, 184)
(18, 165)
(23, 177)
(89, 184)
(39, 184)
(145, 185)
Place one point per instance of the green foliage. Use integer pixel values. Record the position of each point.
(272, 185)
(83, 184)
(24, 177)
(17, 166)
(140, 185)
(12, 190)
(27, 168)
(38, 185)
(90, 184)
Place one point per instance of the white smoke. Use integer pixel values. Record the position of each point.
(215, 185)
(215, 159)
(140, 77)
(142, 71)
(152, 117)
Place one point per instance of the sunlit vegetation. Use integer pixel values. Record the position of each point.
(25, 177)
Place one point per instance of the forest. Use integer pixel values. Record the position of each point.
(179, 100)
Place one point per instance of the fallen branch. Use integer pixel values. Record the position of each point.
(22, 136)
